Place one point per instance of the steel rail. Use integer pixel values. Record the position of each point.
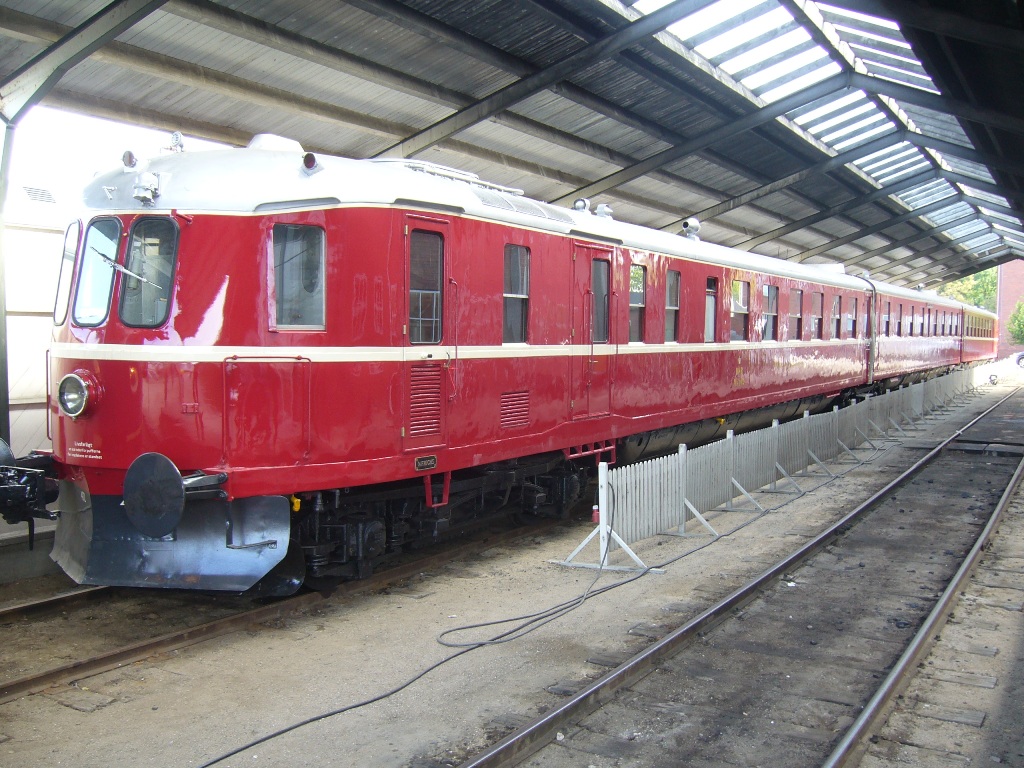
(517, 746)
(24, 609)
(853, 740)
(104, 662)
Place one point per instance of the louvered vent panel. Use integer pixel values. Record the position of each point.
(515, 409)
(425, 401)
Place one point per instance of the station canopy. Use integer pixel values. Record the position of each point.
(885, 135)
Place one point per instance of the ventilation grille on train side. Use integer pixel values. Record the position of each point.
(425, 400)
(515, 409)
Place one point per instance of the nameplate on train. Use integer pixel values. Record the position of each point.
(425, 462)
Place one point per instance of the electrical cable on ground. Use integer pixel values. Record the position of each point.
(527, 623)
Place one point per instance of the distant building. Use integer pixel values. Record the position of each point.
(1010, 290)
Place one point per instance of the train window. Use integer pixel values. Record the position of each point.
(67, 270)
(837, 317)
(146, 285)
(933, 322)
(817, 314)
(96, 273)
(516, 294)
(771, 313)
(899, 319)
(426, 265)
(711, 310)
(672, 306)
(919, 321)
(299, 276)
(851, 319)
(739, 329)
(796, 317)
(637, 301)
(599, 273)
(885, 319)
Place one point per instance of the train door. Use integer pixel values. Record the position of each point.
(429, 366)
(591, 326)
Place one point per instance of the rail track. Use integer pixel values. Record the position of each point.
(795, 667)
(241, 613)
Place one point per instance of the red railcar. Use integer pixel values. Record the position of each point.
(269, 366)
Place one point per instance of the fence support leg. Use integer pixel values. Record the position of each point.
(607, 535)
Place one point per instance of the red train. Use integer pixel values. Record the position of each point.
(269, 366)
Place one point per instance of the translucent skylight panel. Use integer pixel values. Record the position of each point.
(926, 193)
(890, 177)
(830, 107)
(799, 83)
(825, 125)
(901, 76)
(702, 20)
(861, 138)
(861, 17)
(774, 19)
(778, 45)
(856, 127)
(876, 161)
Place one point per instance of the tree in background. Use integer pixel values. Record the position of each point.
(1015, 325)
(978, 290)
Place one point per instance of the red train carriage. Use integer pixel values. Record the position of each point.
(269, 366)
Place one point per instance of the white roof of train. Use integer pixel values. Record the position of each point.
(269, 175)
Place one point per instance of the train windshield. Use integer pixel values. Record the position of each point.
(96, 274)
(67, 269)
(148, 273)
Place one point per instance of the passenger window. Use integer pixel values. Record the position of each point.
(851, 320)
(711, 310)
(149, 264)
(885, 318)
(516, 295)
(817, 314)
(96, 274)
(771, 313)
(299, 276)
(837, 317)
(739, 328)
(426, 267)
(637, 301)
(796, 318)
(67, 270)
(672, 306)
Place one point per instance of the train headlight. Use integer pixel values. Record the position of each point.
(74, 394)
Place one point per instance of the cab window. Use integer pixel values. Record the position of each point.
(67, 270)
(96, 274)
(149, 271)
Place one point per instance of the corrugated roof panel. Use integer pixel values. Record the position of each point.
(579, 121)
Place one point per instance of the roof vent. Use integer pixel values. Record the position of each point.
(604, 211)
(275, 143)
(37, 195)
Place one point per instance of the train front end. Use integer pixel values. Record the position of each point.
(150, 397)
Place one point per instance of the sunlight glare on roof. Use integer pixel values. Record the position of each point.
(783, 68)
(704, 19)
(853, 127)
(862, 137)
(799, 83)
(766, 51)
(878, 22)
(824, 125)
(737, 36)
(831, 107)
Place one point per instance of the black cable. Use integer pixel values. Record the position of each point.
(528, 623)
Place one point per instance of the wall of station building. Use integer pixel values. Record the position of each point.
(1009, 292)
(33, 238)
